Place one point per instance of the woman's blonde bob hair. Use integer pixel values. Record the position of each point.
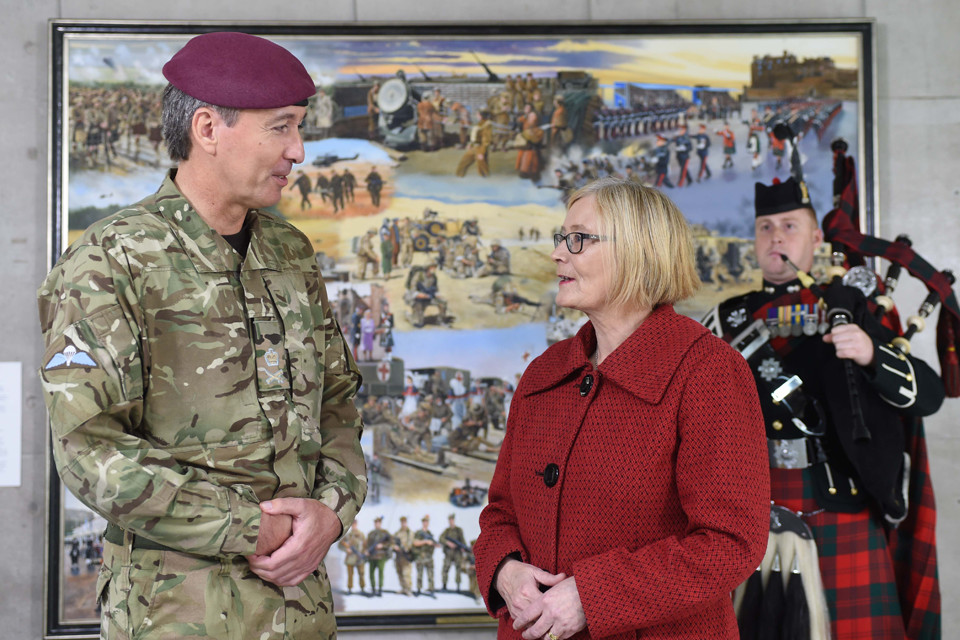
(648, 253)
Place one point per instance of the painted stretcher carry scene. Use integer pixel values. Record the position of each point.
(436, 172)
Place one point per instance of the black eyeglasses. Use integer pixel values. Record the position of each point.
(575, 240)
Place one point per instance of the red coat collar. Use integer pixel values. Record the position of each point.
(643, 364)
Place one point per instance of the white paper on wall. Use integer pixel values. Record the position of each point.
(10, 425)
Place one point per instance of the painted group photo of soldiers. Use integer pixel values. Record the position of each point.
(115, 128)
(439, 418)
(336, 188)
(412, 554)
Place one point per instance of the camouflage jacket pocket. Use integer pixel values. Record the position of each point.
(103, 583)
(93, 365)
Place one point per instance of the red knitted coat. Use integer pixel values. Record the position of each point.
(661, 507)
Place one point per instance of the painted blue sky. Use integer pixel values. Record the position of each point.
(715, 60)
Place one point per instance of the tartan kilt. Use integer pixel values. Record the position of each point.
(856, 562)
(914, 545)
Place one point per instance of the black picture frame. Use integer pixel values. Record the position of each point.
(510, 43)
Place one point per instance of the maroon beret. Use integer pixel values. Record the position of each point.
(240, 71)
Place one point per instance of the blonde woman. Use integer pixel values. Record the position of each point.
(631, 492)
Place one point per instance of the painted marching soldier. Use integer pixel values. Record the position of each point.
(683, 146)
(702, 143)
(661, 158)
(729, 144)
(842, 410)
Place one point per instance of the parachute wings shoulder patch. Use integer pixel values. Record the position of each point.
(70, 357)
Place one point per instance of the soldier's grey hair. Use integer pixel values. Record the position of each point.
(178, 110)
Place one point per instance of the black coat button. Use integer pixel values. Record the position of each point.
(585, 385)
(551, 475)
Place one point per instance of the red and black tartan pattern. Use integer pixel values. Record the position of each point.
(914, 546)
(855, 563)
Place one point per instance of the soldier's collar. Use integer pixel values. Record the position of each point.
(793, 286)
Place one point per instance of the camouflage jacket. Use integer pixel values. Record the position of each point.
(378, 544)
(423, 552)
(452, 534)
(353, 545)
(403, 539)
(186, 384)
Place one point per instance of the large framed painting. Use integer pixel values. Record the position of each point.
(437, 163)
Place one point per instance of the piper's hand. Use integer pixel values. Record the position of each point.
(519, 584)
(315, 527)
(558, 612)
(852, 343)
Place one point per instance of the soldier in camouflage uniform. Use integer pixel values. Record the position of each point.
(470, 568)
(421, 438)
(353, 545)
(498, 261)
(371, 411)
(454, 546)
(199, 389)
(441, 416)
(406, 243)
(423, 546)
(423, 291)
(403, 548)
(366, 255)
(379, 543)
(493, 404)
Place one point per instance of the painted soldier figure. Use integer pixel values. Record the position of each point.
(336, 191)
(481, 139)
(424, 291)
(423, 546)
(353, 545)
(729, 145)
(454, 546)
(702, 143)
(303, 184)
(367, 255)
(661, 158)
(560, 134)
(498, 260)
(374, 186)
(682, 145)
(379, 544)
(405, 256)
(403, 556)
(349, 183)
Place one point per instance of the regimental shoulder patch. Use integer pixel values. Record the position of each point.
(70, 357)
(770, 369)
(737, 317)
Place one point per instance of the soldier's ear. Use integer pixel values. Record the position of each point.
(203, 129)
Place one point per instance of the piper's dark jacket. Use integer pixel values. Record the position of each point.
(895, 388)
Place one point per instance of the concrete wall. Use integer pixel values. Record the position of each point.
(919, 147)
